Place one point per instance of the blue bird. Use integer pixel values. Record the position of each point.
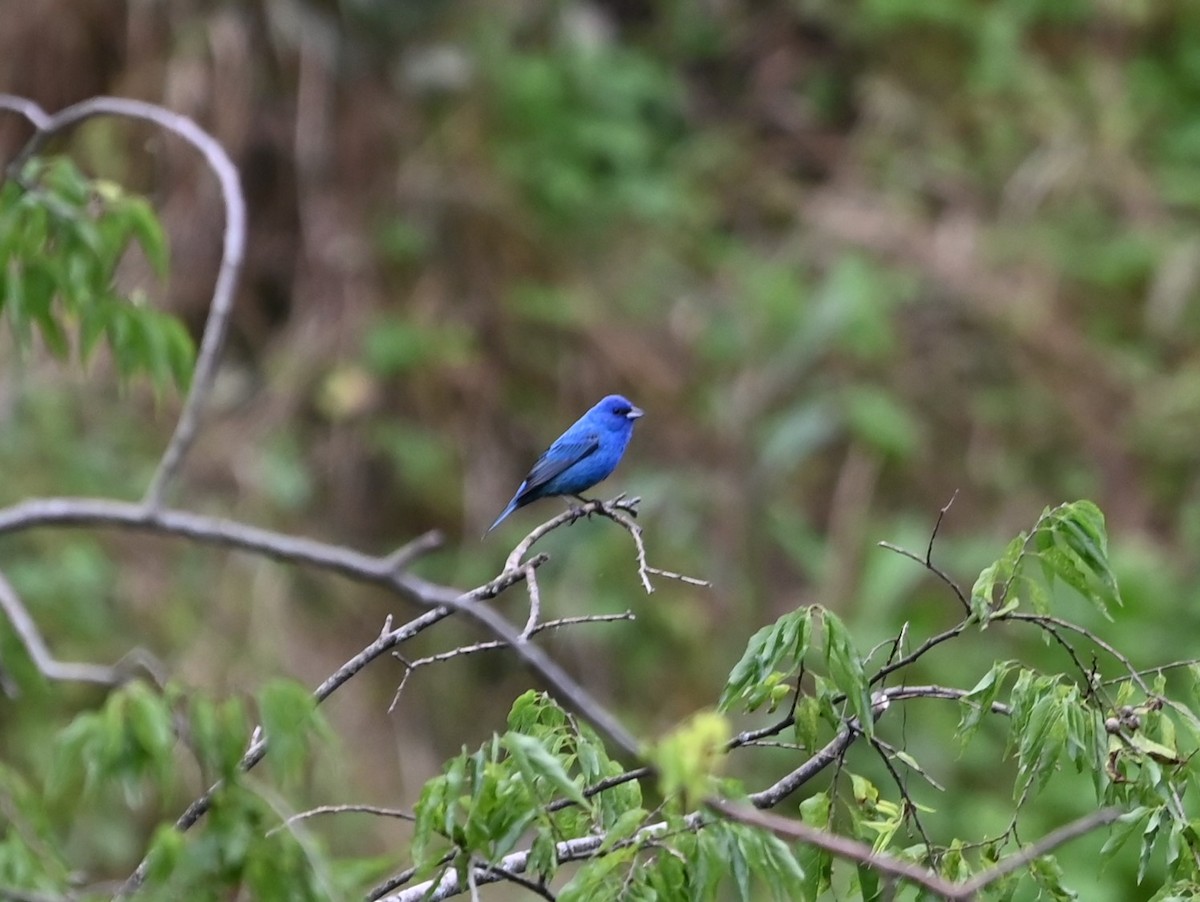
(584, 455)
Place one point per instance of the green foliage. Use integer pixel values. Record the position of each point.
(398, 346)
(698, 865)
(689, 757)
(1050, 720)
(128, 753)
(62, 236)
(484, 801)
(773, 654)
(589, 134)
(776, 653)
(238, 850)
(288, 712)
(32, 854)
(1070, 545)
(129, 742)
(533, 777)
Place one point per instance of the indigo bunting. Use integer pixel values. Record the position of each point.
(584, 455)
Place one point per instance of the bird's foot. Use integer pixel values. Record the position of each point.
(579, 511)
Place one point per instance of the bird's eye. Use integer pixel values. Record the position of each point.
(622, 410)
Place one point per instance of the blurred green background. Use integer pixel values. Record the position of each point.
(849, 255)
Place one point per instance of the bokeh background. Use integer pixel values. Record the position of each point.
(851, 256)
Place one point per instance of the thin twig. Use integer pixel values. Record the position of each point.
(931, 642)
(1043, 619)
(538, 889)
(936, 527)
(1044, 846)
(343, 809)
(836, 747)
(1159, 669)
(935, 570)
(910, 806)
(911, 763)
(495, 644)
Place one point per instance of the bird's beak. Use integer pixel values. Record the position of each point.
(634, 413)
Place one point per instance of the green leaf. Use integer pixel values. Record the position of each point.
(846, 670)
(601, 878)
(218, 734)
(978, 702)
(1073, 547)
(289, 718)
(687, 759)
(868, 883)
(165, 853)
(535, 761)
(145, 226)
(152, 725)
(817, 864)
(543, 856)
(625, 826)
(780, 648)
(997, 575)
(1049, 877)
(736, 862)
(808, 721)
(1150, 835)
(62, 241)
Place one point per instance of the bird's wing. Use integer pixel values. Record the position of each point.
(560, 456)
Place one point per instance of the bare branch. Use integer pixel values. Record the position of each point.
(841, 846)
(936, 526)
(927, 562)
(889, 749)
(585, 847)
(861, 853)
(836, 747)
(910, 804)
(905, 660)
(1044, 619)
(936, 571)
(784, 787)
(49, 666)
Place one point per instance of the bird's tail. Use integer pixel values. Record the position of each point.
(512, 506)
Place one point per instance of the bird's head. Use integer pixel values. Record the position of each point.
(618, 412)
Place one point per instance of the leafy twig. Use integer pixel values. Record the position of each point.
(47, 125)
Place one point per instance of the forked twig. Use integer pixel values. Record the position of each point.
(621, 511)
